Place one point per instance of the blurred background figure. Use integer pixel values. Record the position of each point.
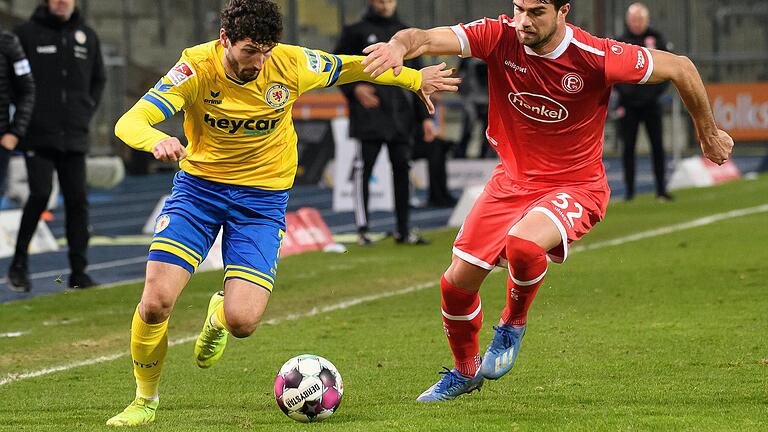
(65, 57)
(381, 115)
(434, 149)
(474, 98)
(641, 104)
(17, 88)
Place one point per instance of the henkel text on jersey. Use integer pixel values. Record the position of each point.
(547, 112)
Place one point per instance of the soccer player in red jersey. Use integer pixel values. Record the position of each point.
(549, 84)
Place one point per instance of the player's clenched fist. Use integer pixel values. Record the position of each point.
(169, 150)
(718, 148)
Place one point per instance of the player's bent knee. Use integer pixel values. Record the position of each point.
(242, 324)
(242, 329)
(155, 310)
(522, 252)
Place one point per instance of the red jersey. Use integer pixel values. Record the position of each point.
(547, 113)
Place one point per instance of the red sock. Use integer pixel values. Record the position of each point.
(527, 267)
(462, 320)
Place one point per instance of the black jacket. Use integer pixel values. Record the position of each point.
(69, 74)
(16, 86)
(401, 111)
(638, 96)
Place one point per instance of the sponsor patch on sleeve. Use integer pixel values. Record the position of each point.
(22, 67)
(180, 73)
(313, 61)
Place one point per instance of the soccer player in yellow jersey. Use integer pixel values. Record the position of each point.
(237, 93)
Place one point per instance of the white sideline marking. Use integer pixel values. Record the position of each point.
(12, 334)
(696, 223)
(13, 377)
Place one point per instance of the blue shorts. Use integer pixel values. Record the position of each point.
(253, 222)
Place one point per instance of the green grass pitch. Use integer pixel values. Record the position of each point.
(663, 333)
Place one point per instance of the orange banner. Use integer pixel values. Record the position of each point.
(741, 109)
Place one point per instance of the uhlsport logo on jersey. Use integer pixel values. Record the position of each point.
(278, 95)
(162, 223)
(242, 126)
(538, 107)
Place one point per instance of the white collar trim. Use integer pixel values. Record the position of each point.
(560, 48)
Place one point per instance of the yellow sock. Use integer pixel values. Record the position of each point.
(149, 343)
(218, 320)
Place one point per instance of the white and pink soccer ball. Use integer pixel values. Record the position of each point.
(308, 388)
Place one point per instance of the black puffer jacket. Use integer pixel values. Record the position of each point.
(400, 111)
(16, 86)
(69, 75)
(638, 96)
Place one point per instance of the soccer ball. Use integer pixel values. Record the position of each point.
(308, 388)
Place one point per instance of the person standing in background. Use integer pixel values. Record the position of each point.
(474, 98)
(18, 88)
(65, 56)
(382, 115)
(641, 104)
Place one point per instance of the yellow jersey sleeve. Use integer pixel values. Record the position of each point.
(174, 92)
(318, 69)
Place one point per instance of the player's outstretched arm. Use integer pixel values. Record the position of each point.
(716, 144)
(425, 82)
(408, 44)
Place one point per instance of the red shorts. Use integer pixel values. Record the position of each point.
(573, 209)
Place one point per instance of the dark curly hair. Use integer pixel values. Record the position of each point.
(258, 20)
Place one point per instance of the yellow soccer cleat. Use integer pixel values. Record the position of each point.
(210, 344)
(140, 412)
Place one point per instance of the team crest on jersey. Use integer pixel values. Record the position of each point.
(572, 83)
(180, 73)
(278, 95)
(162, 223)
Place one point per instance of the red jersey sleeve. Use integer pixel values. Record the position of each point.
(479, 38)
(627, 63)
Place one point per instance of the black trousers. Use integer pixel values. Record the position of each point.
(70, 168)
(628, 128)
(365, 158)
(435, 154)
(479, 114)
(5, 156)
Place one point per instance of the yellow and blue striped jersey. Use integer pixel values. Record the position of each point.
(242, 133)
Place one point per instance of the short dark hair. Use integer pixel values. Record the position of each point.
(556, 3)
(258, 20)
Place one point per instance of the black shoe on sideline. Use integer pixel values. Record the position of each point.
(412, 238)
(364, 240)
(18, 280)
(665, 197)
(81, 281)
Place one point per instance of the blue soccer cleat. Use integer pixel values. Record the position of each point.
(450, 386)
(502, 353)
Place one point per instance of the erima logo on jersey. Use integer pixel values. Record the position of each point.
(214, 100)
(162, 88)
(538, 107)
(246, 127)
(313, 61)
